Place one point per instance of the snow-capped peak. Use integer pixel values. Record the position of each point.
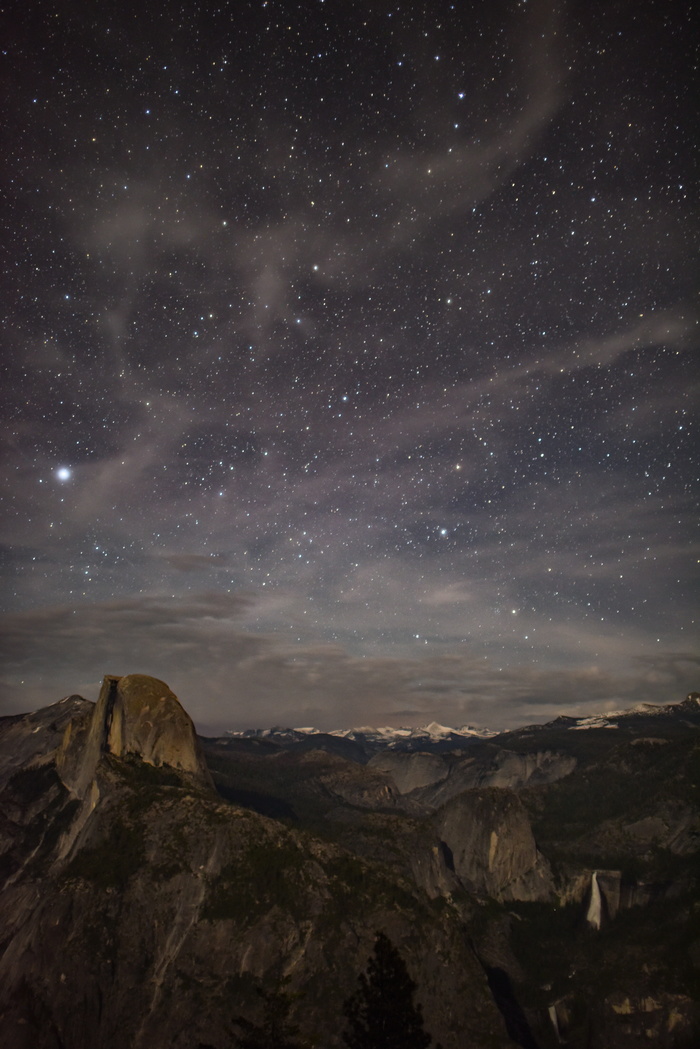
(443, 735)
(433, 731)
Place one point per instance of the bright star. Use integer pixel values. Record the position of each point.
(63, 473)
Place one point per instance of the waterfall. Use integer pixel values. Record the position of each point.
(593, 916)
(555, 1021)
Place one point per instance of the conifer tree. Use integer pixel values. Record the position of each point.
(381, 1014)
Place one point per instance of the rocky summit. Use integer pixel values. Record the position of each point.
(134, 716)
(159, 890)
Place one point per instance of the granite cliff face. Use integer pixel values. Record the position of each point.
(140, 715)
(493, 848)
(33, 739)
(432, 779)
(134, 715)
(523, 830)
(140, 908)
(541, 886)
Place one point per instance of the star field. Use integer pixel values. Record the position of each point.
(350, 358)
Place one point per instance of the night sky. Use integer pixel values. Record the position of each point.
(350, 357)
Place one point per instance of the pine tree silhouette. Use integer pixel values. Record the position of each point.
(381, 1014)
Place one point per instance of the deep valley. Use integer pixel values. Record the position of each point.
(540, 885)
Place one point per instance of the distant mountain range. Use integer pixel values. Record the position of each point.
(434, 733)
(366, 733)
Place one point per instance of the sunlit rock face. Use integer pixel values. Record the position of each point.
(138, 716)
(143, 717)
(492, 845)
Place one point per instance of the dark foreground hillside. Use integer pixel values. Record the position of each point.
(159, 890)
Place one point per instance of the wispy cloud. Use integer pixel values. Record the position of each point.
(230, 677)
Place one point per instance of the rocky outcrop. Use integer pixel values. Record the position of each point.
(432, 779)
(32, 739)
(674, 825)
(662, 1020)
(346, 781)
(432, 869)
(135, 716)
(410, 771)
(605, 893)
(493, 849)
(625, 1021)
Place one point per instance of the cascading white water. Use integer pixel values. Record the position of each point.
(555, 1021)
(593, 917)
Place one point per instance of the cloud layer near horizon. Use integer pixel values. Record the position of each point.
(229, 677)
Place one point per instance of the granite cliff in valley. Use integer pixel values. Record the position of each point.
(540, 885)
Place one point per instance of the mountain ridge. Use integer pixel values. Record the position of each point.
(435, 732)
(541, 884)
